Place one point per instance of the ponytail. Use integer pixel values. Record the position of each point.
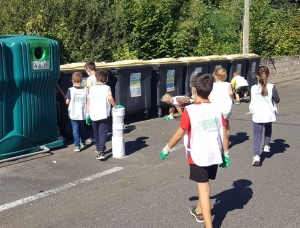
(262, 76)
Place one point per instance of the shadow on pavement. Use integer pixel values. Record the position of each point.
(278, 146)
(239, 138)
(134, 146)
(229, 200)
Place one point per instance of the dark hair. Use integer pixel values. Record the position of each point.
(203, 84)
(263, 74)
(77, 77)
(101, 76)
(90, 66)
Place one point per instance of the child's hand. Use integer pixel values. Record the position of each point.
(169, 117)
(226, 160)
(164, 152)
(88, 120)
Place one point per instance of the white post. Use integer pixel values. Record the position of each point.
(246, 28)
(118, 143)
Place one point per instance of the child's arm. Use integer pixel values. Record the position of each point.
(111, 100)
(179, 110)
(68, 97)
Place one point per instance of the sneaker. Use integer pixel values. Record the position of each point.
(77, 149)
(237, 103)
(90, 140)
(82, 145)
(256, 161)
(198, 217)
(266, 148)
(100, 156)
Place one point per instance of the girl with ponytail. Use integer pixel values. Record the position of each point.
(263, 109)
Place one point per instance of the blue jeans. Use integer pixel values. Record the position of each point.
(78, 131)
(100, 128)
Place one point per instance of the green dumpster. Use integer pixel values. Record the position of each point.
(194, 65)
(29, 100)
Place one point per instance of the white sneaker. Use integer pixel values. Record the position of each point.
(266, 148)
(256, 161)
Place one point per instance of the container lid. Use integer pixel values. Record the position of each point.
(193, 59)
(163, 61)
(235, 56)
(125, 63)
(252, 55)
(215, 57)
(80, 66)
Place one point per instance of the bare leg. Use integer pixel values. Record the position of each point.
(237, 96)
(204, 203)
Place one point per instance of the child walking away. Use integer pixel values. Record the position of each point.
(76, 98)
(206, 142)
(178, 103)
(99, 104)
(222, 95)
(263, 109)
(239, 85)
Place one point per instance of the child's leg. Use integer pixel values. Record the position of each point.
(204, 203)
(95, 126)
(82, 131)
(102, 131)
(268, 133)
(257, 134)
(237, 96)
(75, 128)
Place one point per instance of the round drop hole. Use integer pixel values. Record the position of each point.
(38, 52)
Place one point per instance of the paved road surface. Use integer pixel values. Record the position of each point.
(74, 190)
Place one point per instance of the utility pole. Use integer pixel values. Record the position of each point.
(246, 28)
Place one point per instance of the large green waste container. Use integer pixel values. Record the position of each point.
(130, 81)
(253, 64)
(31, 73)
(167, 77)
(237, 63)
(194, 65)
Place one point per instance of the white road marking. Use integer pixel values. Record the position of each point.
(57, 190)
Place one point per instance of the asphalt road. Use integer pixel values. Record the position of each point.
(74, 190)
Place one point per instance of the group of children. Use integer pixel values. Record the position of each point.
(91, 105)
(204, 127)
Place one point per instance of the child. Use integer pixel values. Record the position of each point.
(263, 96)
(76, 98)
(222, 95)
(90, 69)
(177, 102)
(98, 110)
(239, 84)
(206, 142)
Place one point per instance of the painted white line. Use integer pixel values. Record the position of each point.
(57, 190)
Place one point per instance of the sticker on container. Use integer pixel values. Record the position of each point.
(170, 80)
(239, 68)
(218, 66)
(135, 85)
(253, 70)
(84, 82)
(40, 65)
(198, 70)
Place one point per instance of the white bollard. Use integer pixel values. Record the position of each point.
(118, 143)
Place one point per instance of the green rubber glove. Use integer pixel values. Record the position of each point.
(120, 106)
(169, 117)
(88, 120)
(226, 160)
(164, 152)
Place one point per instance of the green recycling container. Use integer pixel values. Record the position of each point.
(32, 72)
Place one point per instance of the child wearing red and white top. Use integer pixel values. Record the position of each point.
(203, 128)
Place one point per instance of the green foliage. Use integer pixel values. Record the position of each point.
(112, 30)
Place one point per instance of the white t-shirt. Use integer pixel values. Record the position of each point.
(205, 145)
(77, 106)
(100, 107)
(220, 96)
(91, 80)
(261, 107)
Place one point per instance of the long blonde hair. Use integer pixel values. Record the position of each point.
(263, 74)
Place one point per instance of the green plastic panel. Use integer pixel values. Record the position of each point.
(29, 101)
